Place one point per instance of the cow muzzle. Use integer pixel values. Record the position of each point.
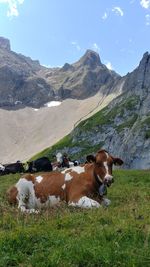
(108, 180)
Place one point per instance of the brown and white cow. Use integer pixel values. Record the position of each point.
(78, 186)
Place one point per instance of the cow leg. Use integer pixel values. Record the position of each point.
(26, 196)
(85, 202)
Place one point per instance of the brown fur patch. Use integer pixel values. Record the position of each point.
(12, 195)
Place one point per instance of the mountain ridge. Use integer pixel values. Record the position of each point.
(99, 108)
(122, 127)
(24, 82)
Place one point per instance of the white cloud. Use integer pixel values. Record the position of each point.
(105, 16)
(12, 7)
(145, 3)
(95, 47)
(118, 11)
(147, 17)
(76, 45)
(109, 66)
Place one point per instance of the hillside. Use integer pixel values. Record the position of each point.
(122, 128)
(118, 128)
(28, 125)
(69, 237)
(25, 132)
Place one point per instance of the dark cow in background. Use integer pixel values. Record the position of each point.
(2, 168)
(16, 167)
(41, 164)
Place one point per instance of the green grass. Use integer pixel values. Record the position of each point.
(127, 124)
(50, 151)
(69, 237)
(147, 134)
(105, 117)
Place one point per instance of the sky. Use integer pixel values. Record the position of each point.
(60, 31)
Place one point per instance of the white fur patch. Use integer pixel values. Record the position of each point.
(107, 175)
(77, 169)
(39, 179)
(85, 202)
(107, 155)
(2, 168)
(68, 177)
(26, 194)
(106, 202)
(106, 167)
(59, 157)
(53, 200)
(71, 164)
(27, 201)
(63, 186)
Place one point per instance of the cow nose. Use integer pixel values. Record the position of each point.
(108, 179)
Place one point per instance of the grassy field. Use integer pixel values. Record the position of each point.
(62, 236)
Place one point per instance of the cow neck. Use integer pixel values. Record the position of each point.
(98, 179)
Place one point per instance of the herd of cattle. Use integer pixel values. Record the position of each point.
(83, 186)
(41, 164)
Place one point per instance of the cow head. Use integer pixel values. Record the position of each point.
(2, 168)
(59, 157)
(103, 163)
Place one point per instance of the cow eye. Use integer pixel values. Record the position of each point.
(99, 164)
(109, 164)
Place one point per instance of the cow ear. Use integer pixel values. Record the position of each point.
(118, 161)
(90, 158)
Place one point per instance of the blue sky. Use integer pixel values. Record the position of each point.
(59, 31)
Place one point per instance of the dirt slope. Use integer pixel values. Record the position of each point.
(27, 131)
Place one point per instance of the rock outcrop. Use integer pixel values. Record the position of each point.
(24, 82)
(123, 127)
(82, 79)
(4, 43)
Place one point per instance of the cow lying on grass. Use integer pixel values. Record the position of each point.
(16, 167)
(80, 186)
(41, 164)
(63, 161)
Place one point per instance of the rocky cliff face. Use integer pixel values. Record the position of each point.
(5, 43)
(123, 127)
(82, 79)
(20, 84)
(24, 82)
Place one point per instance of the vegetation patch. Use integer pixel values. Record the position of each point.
(147, 134)
(127, 124)
(105, 117)
(69, 237)
(50, 151)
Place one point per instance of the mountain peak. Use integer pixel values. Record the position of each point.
(90, 58)
(145, 58)
(5, 43)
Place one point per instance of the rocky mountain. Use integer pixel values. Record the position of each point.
(24, 82)
(122, 127)
(103, 109)
(27, 124)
